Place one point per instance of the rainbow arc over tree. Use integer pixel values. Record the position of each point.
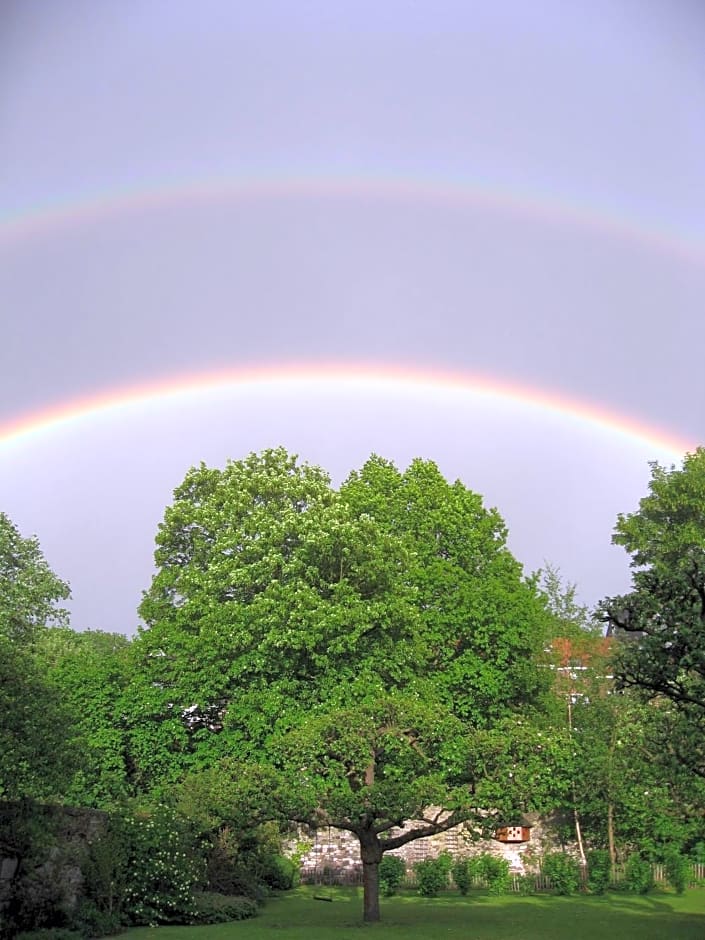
(72, 212)
(328, 379)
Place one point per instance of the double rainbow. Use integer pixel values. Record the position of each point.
(322, 380)
(399, 380)
(43, 219)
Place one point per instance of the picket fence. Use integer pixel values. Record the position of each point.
(353, 877)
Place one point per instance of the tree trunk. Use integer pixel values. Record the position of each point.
(579, 836)
(576, 814)
(610, 836)
(371, 855)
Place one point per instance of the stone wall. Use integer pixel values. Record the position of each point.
(335, 854)
(41, 846)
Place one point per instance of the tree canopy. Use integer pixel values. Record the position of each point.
(29, 589)
(35, 738)
(663, 617)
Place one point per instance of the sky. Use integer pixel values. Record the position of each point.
(471, 232)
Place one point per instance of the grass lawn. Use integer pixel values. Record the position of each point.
(297, 916)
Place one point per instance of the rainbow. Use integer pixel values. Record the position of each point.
(330, 378)
(42, 220)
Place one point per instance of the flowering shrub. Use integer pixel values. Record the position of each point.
(145, 869)
(163, 869)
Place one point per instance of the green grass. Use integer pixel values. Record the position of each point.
(297, 916)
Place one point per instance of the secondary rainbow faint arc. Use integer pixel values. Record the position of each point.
(83, 209)
(393, 379)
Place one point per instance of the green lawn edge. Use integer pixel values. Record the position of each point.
(297, 915)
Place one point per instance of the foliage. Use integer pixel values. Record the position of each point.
(270, 596)
(230, 869)
(279, 873)
(36, 748)
(663, 618)
(492, 870)
(211, 908)
(90, 672)
(638, 874)
(145, 868)
(29, 590)
(697, 853)
(352, 645)
(163, 869)
(599, 871)
(90, 921)
(480, 622)
(461, 874)
(525, 884)
(392, 871)
(432, 875)
(677, 868)
(563, 872)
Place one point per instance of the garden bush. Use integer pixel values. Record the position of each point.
(392, 871)
(145, 869)
(279, 872)
(677, 868)
(89, 921)
(638, 876)
(493, 870)
(599, 871)
(563, 872)
(432, 875)
(249, 864)
(525, 884)
(461, 875)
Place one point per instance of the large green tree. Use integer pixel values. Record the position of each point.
(29, 590)
(36, 751)
(663, 618)
(360, 642)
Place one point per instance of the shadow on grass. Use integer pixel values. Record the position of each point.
(484, 917)
(298, 916)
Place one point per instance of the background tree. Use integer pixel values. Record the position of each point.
(37, 742)
(29, 589)
(90, 672)
(578, 658)
(664, 614)
(36, 750)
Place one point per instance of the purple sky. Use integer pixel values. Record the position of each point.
(341, 144)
